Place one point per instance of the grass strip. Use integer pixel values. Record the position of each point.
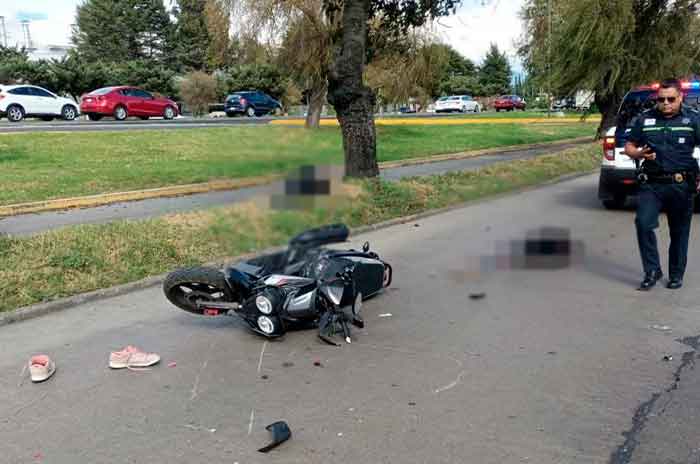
(83, 258)
(45, 166)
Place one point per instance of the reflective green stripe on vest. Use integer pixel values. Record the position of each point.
(649, 129)
(681, 128)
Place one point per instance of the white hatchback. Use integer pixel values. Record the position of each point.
(461, 103)
(20, 101)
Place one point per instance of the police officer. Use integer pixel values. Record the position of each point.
(663, 139)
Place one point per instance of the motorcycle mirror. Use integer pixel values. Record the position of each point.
(365, 247)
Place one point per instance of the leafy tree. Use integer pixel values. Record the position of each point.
(198, 89)
(457, 64)
(609, 46)
(415, 70)
(122, 30)
(218, 22)
(266, 78)
(353, 101)
(462, 85)
(494, 73)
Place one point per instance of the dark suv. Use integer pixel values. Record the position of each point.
(251, 103)
(618, 171)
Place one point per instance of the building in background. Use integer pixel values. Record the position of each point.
(20, 35)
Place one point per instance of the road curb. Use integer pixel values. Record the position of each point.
(441, 121)
(92, 201)
(42, 309)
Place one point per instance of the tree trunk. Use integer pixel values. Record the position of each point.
(607, 105)
(316, 100)
(352, 100)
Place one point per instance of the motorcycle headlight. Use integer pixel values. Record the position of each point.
(334, 293)
(266, 325)
(264, 304)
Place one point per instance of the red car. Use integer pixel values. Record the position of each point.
(122, 102)
(509, 103)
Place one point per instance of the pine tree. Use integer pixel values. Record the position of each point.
(192, 37)
(495, 73)
(122, 30)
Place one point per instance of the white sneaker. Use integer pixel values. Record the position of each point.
(132, 357)
(41, 367)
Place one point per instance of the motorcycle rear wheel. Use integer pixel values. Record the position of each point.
(183, 287)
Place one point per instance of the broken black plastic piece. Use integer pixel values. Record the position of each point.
(280, 433)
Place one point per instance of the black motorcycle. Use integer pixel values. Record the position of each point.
(306, 284)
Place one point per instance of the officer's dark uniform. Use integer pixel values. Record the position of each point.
(667, 182)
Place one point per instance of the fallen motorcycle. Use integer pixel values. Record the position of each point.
(306, 284)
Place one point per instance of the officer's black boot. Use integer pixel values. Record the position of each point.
(675, 282)
(650, 279)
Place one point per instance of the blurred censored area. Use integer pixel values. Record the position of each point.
(311, 187)
(545, 248)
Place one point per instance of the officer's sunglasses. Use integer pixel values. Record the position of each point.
(666, 99)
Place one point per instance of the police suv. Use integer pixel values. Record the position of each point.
(618, 171)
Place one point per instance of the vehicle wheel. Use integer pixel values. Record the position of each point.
(498, 110)
(169, 113)
(250, 112)
(120, 113)
(183, 287)
(47, 118)
(94, 117)
(143, 118)
(69, 113)
(230, 115)
(388, 275)
(15, 113)
(617, 202)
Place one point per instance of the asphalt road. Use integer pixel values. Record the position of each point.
(34, 223)
(553, 366)
(186, 122)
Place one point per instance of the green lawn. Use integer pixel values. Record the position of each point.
(45, 166)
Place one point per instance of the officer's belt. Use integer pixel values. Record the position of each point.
(666, 177)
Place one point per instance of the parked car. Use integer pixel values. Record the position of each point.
(461, 103)
(618, 179)
(509, 103)
(123, 102)
(20, 101)
(251, 103)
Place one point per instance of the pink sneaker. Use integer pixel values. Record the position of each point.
(41, 367)
(132, 357)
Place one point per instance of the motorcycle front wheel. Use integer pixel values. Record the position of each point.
(184, 287)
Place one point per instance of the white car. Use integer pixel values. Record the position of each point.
(461, 103)
(20, 101)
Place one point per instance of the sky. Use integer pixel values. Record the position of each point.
(476, 24)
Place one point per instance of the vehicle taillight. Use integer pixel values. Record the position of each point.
(609, 148)
(2, 96)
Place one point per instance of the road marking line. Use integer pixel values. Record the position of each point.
(261, 356)
(250, 424)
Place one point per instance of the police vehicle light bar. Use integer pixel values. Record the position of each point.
(690, 85)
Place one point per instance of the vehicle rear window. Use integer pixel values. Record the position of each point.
(102, 91)
(633, 105)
